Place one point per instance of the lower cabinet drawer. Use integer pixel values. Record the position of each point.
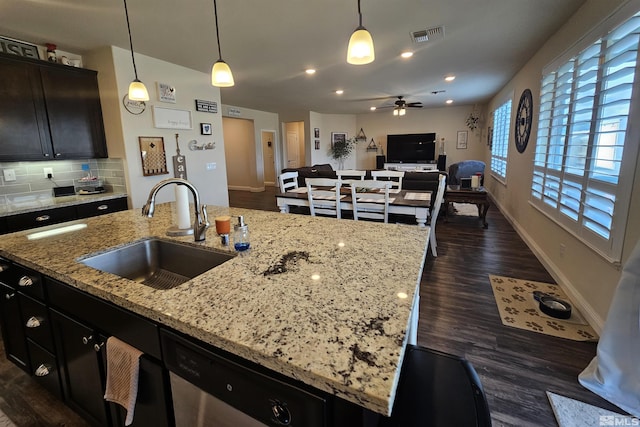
(45, 368)
(35, 319)
(102, 207)
(40, 218)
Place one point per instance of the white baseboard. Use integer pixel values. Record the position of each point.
(590, 315)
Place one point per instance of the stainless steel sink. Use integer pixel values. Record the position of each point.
(160, 264)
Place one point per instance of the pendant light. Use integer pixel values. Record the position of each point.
(220, 73)
(360, 49)
(137, 89)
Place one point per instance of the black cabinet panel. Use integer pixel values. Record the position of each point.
(44, 368)
(112, 320)
(75, 118)
(40, 218)
(24, 134)
(49, 111)
(103, 207)
(15, 344)
(35, 319)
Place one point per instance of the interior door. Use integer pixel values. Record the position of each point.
(293, 151)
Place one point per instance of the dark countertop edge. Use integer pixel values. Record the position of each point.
(58, 202)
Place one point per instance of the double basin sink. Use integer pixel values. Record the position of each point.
(160, 264)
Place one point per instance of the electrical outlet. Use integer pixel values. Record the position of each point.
(48, 172)
(9, 174)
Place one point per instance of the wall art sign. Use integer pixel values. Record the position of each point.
(154, 159)
(461, 143)
(179, 162)
(206, 106)
(19, 48)
(169, 118)
(166, 93)
(133, 107)
(234, 112)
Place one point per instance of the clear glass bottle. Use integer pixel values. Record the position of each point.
(241, 235)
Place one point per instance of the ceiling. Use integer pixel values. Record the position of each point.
(269, 44)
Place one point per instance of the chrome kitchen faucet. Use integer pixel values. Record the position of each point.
(201, 222)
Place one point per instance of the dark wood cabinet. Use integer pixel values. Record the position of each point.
(49, 111)
(81, 367)
(15, 344)
(102, 207)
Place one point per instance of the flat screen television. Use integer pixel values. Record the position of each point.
(411, 148)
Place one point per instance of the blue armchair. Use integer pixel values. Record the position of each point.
(465, 169)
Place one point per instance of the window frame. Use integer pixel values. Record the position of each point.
(506, 133)
(611, 248)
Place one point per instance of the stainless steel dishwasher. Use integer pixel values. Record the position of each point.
(221, 390)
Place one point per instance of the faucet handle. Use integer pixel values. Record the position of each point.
(205, 216)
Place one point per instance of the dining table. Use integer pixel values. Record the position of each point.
(415, 203)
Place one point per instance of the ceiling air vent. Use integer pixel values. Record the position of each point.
(429, 34)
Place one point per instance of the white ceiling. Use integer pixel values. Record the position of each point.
(269, 43)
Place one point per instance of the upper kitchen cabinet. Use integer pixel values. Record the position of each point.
(49, 111)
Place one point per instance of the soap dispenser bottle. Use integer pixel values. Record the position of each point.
(241, 235)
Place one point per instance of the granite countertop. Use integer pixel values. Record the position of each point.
(325, 301)
(34, 204)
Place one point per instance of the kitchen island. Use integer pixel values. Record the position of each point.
(323, 301)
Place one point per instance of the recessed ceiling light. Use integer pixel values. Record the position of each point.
(449, 101)
(373, 108)
(339, 92)
(406, 54)
(450, 78)
(310, 71)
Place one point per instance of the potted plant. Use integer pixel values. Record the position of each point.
(341, 148)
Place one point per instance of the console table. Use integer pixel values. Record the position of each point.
(476, 196)
(411, 167)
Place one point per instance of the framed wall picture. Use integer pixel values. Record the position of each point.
(154, 159)
(317, 144)
(205, 128)
(316, 132)
(169, 118)
(338, 137)
(461, 143)
(166, 93)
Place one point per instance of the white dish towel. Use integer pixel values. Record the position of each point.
(123, 367)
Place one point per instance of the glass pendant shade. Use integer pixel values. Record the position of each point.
(360, 50)
(221, 74)
(138, 91)
(403, 111)
(395, 111)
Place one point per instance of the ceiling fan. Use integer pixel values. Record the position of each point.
(400, 106)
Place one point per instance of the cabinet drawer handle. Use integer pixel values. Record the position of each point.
(4, 267)
(58, 154)
(9, 296)
(97, 347)
(33, 322)
(43, 370)
(86, 340)
(26, 281)
(103, 207)
(43, 218)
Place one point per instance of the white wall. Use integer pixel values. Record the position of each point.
(328, 123)
(123, 129)
(445, 122)
(589, 278)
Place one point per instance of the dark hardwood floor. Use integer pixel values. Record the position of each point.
(457, 315)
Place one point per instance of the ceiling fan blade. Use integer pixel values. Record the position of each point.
(415, 104)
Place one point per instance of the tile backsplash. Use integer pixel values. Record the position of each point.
(31, 182)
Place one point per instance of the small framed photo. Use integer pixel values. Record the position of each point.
(316, 132)
(317, 143)
(166, 93)
(338, 137)
(461, 143)
(205, 128)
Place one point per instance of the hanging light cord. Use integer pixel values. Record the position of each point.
(215, 13)
(359, 16)
(133, 59)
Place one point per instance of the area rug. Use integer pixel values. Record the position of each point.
(5, 421)
(463, 209)
(518, 309)
(573, 413)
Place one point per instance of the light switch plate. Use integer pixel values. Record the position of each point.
(9, 174)
(211, 166)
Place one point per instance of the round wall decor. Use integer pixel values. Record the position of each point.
(133, 107)
(524, 116)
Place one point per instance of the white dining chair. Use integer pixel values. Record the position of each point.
(437, 203)
(370, 199)
(395, 177)
(324, 196)
(345, 174)
(288, 181)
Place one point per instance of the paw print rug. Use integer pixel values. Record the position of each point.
(518, 309)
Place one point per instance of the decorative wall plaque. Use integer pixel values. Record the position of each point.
(154, 159)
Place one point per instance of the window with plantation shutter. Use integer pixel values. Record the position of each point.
(500, 140)
(583, 140)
